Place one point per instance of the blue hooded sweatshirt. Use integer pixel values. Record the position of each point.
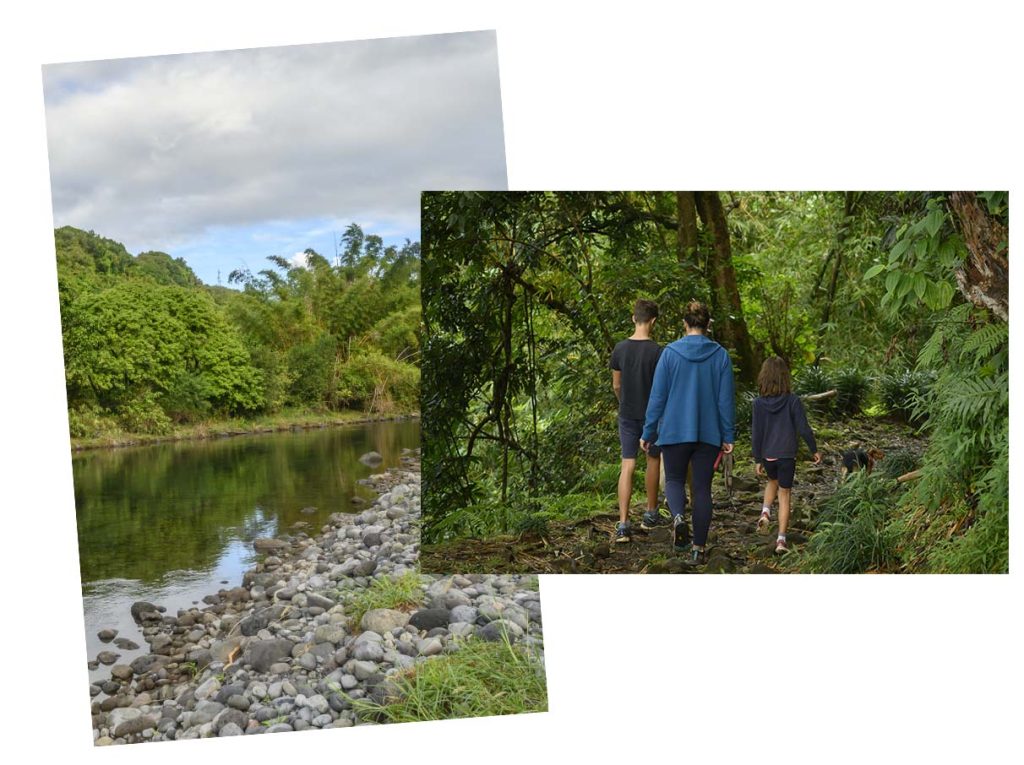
(692, 394)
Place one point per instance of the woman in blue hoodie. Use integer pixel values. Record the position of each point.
(690, 416)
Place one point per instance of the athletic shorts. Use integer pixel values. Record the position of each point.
(781, 470)
(629, 436)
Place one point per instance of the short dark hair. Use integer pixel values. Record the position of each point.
(773, 379)
(645, 311)
(697, 315)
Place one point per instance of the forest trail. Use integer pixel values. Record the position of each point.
(587, 546)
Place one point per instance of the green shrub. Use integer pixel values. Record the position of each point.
(376, 383)
(852, 535)
(897, 462)
(852, 388)
(901, 391)
(143, 414)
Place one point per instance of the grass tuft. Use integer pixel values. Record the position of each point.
(401, 592)
(480, 679)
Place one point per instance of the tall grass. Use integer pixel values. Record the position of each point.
(480, 679)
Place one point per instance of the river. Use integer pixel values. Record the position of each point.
(171, 523)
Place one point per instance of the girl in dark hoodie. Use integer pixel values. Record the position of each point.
(778, 418)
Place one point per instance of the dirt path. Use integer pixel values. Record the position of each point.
(734, 546)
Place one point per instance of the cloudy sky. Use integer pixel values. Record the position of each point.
(225, 158)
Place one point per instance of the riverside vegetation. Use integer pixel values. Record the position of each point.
(150, 352)
(896, 300)
(330, 631)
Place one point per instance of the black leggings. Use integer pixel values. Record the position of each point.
(678, 457)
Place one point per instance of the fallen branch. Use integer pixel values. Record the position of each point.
(913, 475)
(820, 396)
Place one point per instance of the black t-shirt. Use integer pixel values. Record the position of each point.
(636, 359)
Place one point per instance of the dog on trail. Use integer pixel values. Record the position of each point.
(860, 459)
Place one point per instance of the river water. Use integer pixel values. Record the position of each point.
(170, 523)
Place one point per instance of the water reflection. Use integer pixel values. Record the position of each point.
(169, 523)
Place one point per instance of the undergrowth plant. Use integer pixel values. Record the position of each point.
(852, 534)
(479, 679)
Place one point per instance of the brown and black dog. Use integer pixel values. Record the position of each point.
(855, 459)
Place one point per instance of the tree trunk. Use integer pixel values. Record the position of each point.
(723, 284)
(849, 205)
(984, 278)
(686, 207)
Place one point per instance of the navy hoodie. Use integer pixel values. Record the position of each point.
(692, 394)
(777, 422)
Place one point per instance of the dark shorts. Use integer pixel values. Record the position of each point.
(629, 436)
(781, 470)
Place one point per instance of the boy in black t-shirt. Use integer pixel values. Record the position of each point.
(633, 362)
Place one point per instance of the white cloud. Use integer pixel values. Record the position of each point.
(156, 151)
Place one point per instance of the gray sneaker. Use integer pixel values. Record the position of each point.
(680, 534)
(622, 532)
(652, 519)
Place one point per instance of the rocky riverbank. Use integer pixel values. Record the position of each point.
(306, 639)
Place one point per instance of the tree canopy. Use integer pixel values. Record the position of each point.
(148, 345)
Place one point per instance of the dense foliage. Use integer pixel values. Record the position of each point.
(148, 346)
(895, 300)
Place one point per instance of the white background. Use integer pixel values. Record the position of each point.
(782, 95)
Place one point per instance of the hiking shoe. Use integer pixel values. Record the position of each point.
(697, 557)
(622, 533)
(680, 534)
(652, 519)
(764, 524)
(780, 547)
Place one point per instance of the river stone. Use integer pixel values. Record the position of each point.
(497, 631)
(107, 657)
(430, 618)
(363, 669)
(381, 620)
(319, 601)
(368, 650)
(371, 459)
(269, 545)
(207, 688)
(260, 654)
(106, 635)
(125, 644)
(144, 611)
(462, 614)
(135, 725)
(221, 650)
(455, 598)
(121, 672)
(329, 633)
(121, 715)
(431, 647)
(230, 729)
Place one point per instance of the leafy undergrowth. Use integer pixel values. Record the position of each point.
(852, 534)
(480, 679)
(403, 592)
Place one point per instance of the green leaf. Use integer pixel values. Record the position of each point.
(874, 271)
(920, 285)
(892, 280)
(934, 221)
(898, 249)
